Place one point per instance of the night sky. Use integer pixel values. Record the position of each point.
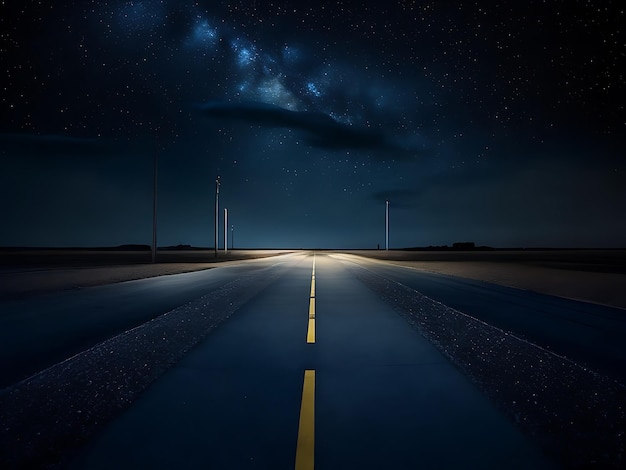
(497, 122)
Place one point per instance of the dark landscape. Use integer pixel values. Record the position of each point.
(592, 275)
(315, 235)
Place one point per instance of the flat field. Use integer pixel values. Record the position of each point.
(597, 276)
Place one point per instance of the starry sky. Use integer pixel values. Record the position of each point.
(497, 122)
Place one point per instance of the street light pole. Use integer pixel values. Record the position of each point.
(225, 230)
(154, 205)
(387, 225)
(217, 211)
(232, 237)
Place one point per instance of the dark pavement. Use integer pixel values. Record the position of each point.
(590, 334)
(374, 390)
(40, 331)
(384, 396)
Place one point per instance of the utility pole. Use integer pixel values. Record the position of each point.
(386, 225)
(225, 230)
(154, 204)
(217, 211)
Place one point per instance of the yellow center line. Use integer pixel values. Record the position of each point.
(310, 335)
(305, 449)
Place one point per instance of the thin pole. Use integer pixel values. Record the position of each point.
(154, 204)
(232, 237)
(387, 226)
(217, 210)
(225, 230)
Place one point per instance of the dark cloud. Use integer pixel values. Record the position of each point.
(51, 145)
(320, 130)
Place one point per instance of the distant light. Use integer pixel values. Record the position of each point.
(246, 52)
(313, 89)
(245, 56)
(204, 33)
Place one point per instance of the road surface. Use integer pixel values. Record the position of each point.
(320, 361)
(38, 332)
(588, 333)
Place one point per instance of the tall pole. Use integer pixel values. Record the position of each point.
(154, 204)
(387, 225)
(217, 211)
(225, 230)
(232, 237)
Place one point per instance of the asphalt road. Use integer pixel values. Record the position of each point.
(590, 334)
(38, 332)
(383, 396)
(315, 370)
